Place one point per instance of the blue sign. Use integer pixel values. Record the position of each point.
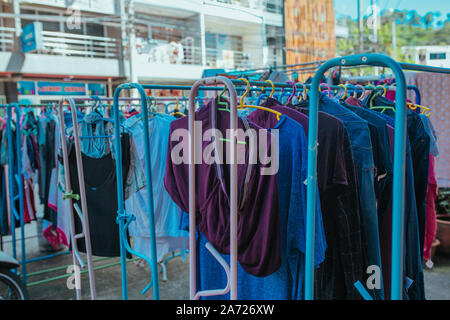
(96, 89)
(26, 88)
(61, 88)
(32, 37)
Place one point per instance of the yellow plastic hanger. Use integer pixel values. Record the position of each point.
(345, 93)
(273, 88)
(414, 106)
(177, 112)
(302, 93)
(384, 90)
(242, 105)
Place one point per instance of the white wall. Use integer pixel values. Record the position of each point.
(147, 71)
(59, 65)
(100, 6)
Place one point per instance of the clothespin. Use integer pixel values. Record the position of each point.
(71, 195)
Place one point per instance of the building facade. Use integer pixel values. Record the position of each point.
(52, 48)
(310, 30)
(436, 56)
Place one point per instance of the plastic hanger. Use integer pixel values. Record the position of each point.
(328, 89)
(293, 91)
(345, 91)
(273, 88)
(367, 92)
(177, 112)
(355, 93)
(383, 108)
(264, 95)
(223, 103)
(384, 90)
(242, 105)
(166, 111)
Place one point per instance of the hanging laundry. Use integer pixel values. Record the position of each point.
(166, 212)
(259, 250)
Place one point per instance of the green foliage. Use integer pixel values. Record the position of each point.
(443, 201)
(411, 30)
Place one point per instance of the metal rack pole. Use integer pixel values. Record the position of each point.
(399, 166)
(121, 211)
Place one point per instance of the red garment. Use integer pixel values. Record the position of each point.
(55, 236)
(430, 217)
(353, 101)
(29, 209)
(390, 94)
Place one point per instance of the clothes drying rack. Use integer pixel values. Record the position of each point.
(370, 59)
(124, 219)
(398, 182)
(20, 196)
(204, 84)
(20, 215)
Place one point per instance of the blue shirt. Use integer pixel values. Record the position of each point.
(361, 145)
(287, 282)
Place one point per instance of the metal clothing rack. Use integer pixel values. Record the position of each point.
(370, 59)
(20, 196)
(398, 186)
(83, 212)
(17, 155)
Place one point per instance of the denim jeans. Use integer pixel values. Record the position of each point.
(416, 143)
(420, 154)
(93, 125)
(359, 134)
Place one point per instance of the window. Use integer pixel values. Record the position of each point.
(46, 25)
(93, 29)
(438, 56)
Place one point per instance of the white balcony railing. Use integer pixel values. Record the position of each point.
(170, 52)
(273, 6)
(6, 39)
(68, 44)
(228, 59)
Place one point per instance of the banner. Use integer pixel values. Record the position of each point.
(61, 88)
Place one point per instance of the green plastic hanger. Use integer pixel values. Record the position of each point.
(222, 103)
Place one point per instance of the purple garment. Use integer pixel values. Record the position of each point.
(353, 102)
(291, 113)
(259, 249)
(331, 168)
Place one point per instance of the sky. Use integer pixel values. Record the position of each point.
(349, 7)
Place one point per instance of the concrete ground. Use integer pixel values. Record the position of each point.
(108, 280)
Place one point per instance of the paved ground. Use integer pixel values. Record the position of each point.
(108, 280)
(437, 280)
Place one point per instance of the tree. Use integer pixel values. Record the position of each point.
(411, 30)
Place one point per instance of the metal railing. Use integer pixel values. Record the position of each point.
(273, 6)
(68, 44)
(170, 53)
(6, 39)
(228, 59)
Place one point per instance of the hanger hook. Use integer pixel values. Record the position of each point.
(328, 88)
(355, 94)
(273, 87)
(246, 91)
(345, 88)
(294, 90)
(384, 90)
